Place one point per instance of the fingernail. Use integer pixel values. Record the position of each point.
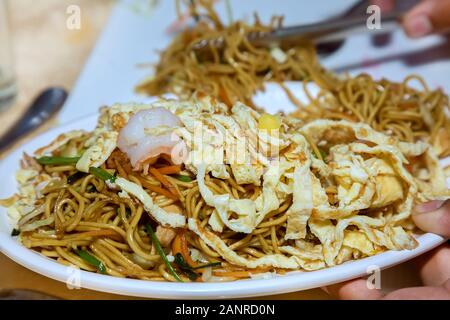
(418, 26)
(428, 206)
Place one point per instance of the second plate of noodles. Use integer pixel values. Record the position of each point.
(236, 71)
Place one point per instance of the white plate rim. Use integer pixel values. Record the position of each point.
(294, 281)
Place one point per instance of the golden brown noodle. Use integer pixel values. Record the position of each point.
(88, 216)
(393, 108)
(231, 73)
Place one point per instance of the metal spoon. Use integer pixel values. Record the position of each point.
(48, 103)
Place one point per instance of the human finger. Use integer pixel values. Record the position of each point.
(435, 221)
(353, 290)
(421, 293)
(434, 266)
(429, 16)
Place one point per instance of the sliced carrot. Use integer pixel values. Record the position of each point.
(158, 189)
(158, 176)
(162, 191)
(169, 169)
(176, 245)
(179, 245)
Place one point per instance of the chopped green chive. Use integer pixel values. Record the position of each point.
(57, 160)
(86, 256)
(189, 270)
(185, 267)
(184, 178)
(158, 248)
(102, 174)
(15, 232)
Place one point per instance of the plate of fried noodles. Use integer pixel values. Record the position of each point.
(214, 194)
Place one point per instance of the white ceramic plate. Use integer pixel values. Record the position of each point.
(294, 281)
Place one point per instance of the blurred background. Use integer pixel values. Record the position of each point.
(46, 53)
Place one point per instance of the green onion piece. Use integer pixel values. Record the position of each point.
(185, 267)
(86, 256)
(57, 160)
(15, 232)
(181, 262)
(158, 248)
(75, 177)
(102, 174)
(191, 275)
(184, 178)
(189, 270)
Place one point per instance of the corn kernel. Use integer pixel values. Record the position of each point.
(269, 122)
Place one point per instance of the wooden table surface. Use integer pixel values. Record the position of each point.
(48, 54)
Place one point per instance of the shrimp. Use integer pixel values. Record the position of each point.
(148, 134)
